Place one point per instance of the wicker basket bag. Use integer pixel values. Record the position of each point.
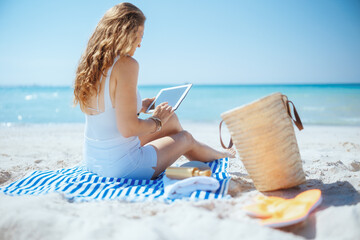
(264, 137)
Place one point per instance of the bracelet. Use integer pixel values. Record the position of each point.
(157, 122)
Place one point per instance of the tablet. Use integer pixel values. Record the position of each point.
(173, 96)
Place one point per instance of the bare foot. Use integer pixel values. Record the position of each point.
(230, 153)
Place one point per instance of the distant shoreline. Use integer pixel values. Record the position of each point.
(206, 85)
(320, 104)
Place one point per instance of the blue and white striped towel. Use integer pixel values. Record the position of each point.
(77, 184)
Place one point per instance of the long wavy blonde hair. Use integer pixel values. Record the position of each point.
(114, 36)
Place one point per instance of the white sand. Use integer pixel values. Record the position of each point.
(331, 157)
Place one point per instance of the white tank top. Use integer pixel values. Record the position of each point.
(102, 137)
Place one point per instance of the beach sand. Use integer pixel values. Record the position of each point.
(331, 161)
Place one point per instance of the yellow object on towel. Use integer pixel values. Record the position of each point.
(186, 172)
(279, 212)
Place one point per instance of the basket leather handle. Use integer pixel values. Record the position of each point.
(297, 119)
(221, 141)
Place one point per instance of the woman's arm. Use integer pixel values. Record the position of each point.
(146, 103)
(126, 72)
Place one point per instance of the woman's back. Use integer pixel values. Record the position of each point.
(102, 125)
(104, 146)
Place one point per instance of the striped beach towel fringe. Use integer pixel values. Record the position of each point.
(78, 185)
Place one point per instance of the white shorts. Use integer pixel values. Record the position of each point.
(144, 168)
(138, 163)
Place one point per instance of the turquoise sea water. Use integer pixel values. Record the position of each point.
(317, 104)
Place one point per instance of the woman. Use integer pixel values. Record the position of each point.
(118, 143)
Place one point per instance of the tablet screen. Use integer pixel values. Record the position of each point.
(173, 96)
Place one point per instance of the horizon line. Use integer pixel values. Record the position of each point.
(201, 84)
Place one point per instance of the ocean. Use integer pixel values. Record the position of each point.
(335, 104)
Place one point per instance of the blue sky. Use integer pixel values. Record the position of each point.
(203, 42)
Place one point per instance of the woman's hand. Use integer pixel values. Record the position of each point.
(146, 103)
(163, 112)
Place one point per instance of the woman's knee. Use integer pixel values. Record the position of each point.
(173, 125)
(187, 137)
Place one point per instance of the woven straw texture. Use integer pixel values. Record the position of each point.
(264, 136)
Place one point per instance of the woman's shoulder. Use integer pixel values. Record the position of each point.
(126, 70)
(126, 63)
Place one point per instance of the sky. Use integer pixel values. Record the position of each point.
(202, 42)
